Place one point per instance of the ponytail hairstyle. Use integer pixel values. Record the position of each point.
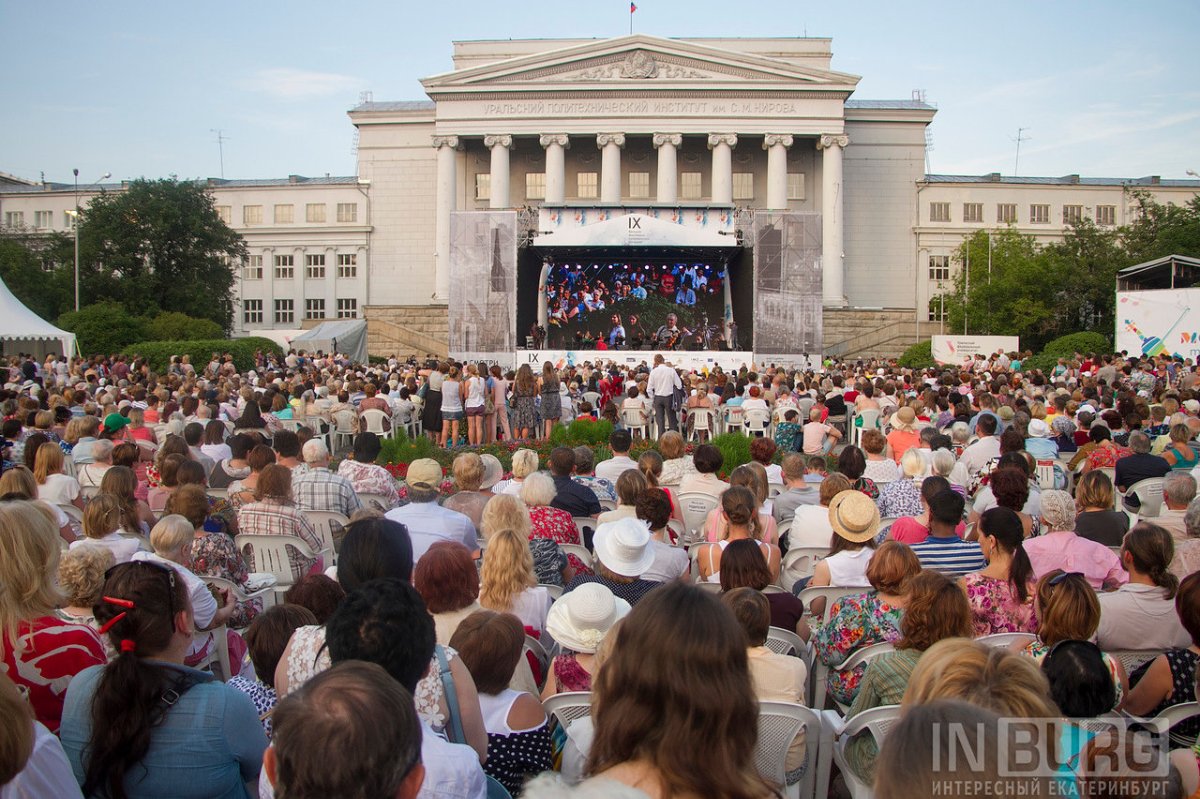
(137, 609)
(1151, 549)
(1005, 526)
(741, 508)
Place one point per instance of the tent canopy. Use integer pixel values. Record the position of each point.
(345, 335)
(18, 323)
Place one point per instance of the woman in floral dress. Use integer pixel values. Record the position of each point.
(860, 620)
(545, 522)
(1001, 594)
(213, 552)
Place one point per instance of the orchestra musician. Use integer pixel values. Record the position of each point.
(616, 336)
(669, 335)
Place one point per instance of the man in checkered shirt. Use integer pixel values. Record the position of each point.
(319, 489)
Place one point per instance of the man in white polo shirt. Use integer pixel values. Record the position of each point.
(661, 387)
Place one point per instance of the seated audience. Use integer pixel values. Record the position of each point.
(1001, 593)
(622, 556)
(579, 621)
(265, 641)
(274, 513)
(796, 492)
(506, 512)
(569, 495)
(102, 528)
(1097, 521)
(611, 469)
(468, 470)
(630, 486)
(942, 549)
(1060, 548)
(427, 521)
(740, 520)
(1141, 613)
(1187, 551)
(653, 508)
(902, 496)
(448, 580)
(1179, 489)
(366, 476)
(855, 522)
(880, 467)
(852, 464)
(707, 460)
(508, 583)
(318, 489)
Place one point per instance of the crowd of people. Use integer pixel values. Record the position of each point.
(929, 511)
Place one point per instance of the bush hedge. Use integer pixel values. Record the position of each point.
(175, 326)
(103, 328)
(918, 356)
(159, 353)
(1077, 342)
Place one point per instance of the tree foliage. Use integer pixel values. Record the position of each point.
(159, 245)
(103, 328)
(39, 270)
(176, 326)
(1009, 285)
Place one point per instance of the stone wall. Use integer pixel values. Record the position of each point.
(407, 330)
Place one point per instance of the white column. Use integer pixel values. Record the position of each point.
(722, 145)
(447, 201)
(832, 202)
(667, 145)
(776, 145)
(610, 145)
(556, 145)
(498, 191)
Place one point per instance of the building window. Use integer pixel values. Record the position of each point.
(251, 214)
(939, 212)
(347, 212)
(285, 214)
(285, 267)
(586, 186)
(285, 312)
(1106, 214)
(939, 268)
(225, 214)
(1039, 214)
(49, 265)
(972, 212)
(347, 309)
(535, 185)
(252, 312)
(1006, 213)
(690, 186)
(69, 219)
(43, 219)
(314, 309)
(314, 267)
(1072, 214)
(347, 265)
(252, 269)
(743, 185)
(14, 219)
(795, 185)
(639, 185)
(483, 186)
(314, 212)
(937, 310)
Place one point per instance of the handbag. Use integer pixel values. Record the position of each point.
(454, 728)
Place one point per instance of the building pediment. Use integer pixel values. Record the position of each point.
(643, 62)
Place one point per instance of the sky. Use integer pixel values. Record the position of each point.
(1102, 89)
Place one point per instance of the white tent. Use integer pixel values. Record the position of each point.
(21, 330)
(345, 335)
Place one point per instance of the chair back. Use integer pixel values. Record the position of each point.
(695, 507)
(584, 523)
(372, 421)
(778, 725)
(1006, 640)
(1131, 659)
(343, 422)
(1150, 493)
(329, 526)
(774, 490)
(804, 405)
(555, 591)
(269, 553)
(217, 493)
(757, 421)
(578, 550)
(379, 500)
(830, 594)
(88, 492)
(539, 652)
(218, 654)
(870, 421)
(786, 642)
(495, 790)
(569, 706)
(592, 398)
(1176, 714)
(732, 417)
(634, 422)
(878, 721)
(800, 562)
(75, 514)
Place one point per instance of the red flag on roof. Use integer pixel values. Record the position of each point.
(632, 8)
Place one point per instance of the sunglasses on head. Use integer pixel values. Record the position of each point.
(159, 568)
(1058, 578)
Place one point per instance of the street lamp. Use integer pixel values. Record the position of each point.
(105, 176)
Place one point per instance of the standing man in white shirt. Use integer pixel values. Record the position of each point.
(661, 387)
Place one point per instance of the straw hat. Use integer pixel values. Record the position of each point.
(581, 618)
(854, 516)
(623, 547)
(492, 471)
(904, 419)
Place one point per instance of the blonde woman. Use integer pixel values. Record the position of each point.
(19, 483)
(473, 390)
(508, 581)
(54, 486)
(81, 578)
(101, 528)
(524, 463)
(452, 407)
(506, 512)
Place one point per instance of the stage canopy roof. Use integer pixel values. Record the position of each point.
(18, 323)
(345, 335)
(636, 230)
(1169, 272)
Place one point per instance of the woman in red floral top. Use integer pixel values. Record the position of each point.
(537, 492)
(1106, 453)
(38, 651)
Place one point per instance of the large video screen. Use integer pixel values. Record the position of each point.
(628, 305)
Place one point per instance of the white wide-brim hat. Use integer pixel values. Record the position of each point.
(580, 619)
(623, 547)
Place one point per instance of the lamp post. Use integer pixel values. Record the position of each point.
(105, 176)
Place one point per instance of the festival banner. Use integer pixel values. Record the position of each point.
(958, 350)
(1159, 322)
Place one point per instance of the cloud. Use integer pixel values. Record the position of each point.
(284, 83)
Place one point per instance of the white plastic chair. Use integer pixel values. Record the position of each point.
(217, 493)
(568, 706)
(540, 654)
(800, 562)
(786, 642)
(372, 421)
(757, 422)
(343, 429)
(270, 555)
(862, 657)
(774, 490)
(732, 417)
(878, 721)
(700, 420)
(870, 421)
(89, 492)
(583, 523)
(637, 425)
(1131, 659)
(377, 499)
(218, 654)
(73, 512)
(592, 398)
(325, 524)
(695, 507)
(1177, 714)
(830, 593)
(1150, 493)
(778, 725)
(578, 551)
(1006, 640)
(555, 591)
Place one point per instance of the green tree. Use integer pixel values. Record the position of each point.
(160, 245)
(175, 326)
(103, 328)
(39, 271)
(1159, 230)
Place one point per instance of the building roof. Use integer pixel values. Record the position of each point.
(215, 183)
(1065, 180)
(1168, 272)
(399, 105)
(897, 105)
